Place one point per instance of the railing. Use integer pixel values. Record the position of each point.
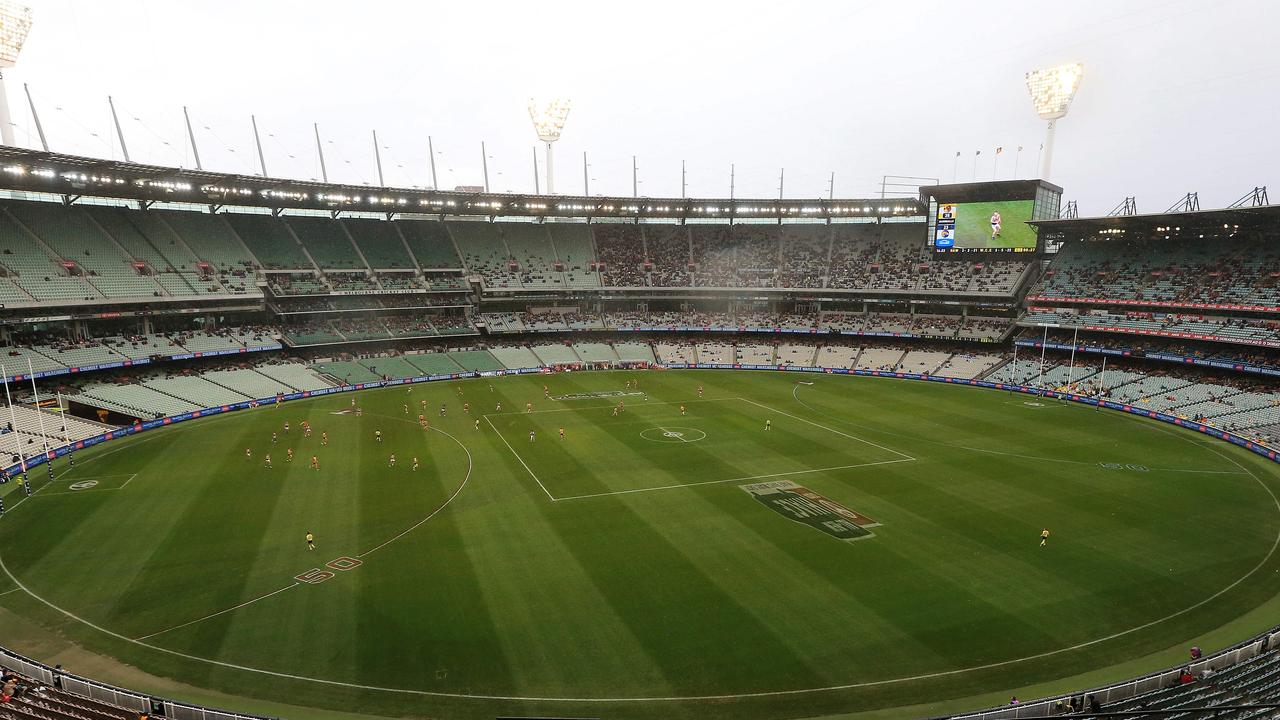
(102, 692)
(1108, 694)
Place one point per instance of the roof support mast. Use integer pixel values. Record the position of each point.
(262, 160)
(324, 172)
(119, 133)
(191, 135)
(36, 117)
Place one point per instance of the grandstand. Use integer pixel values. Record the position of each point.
(207, 295)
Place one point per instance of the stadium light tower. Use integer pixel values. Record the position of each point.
(548, 122)
(1052, 90)
(15, 23)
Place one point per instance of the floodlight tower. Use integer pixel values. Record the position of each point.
(1052, 90)
(15, 23)
(548, 122)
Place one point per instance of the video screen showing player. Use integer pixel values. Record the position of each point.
(977, 226)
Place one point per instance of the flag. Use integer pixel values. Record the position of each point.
(976, 153)
(957, 153)
(1019, 148)
(999, 149)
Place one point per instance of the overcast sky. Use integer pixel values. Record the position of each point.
(1178, 95)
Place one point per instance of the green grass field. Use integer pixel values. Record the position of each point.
(623, 571)
(973, 225)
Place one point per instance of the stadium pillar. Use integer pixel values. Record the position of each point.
(782, 175)
(6, 125)
(635, 183)
(551, 189)
(683, 179)
(1048, 150)
(586, 186)
(484, 165)
(831, 187)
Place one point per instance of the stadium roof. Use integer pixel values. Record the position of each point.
(34, 171)
(1224, 222)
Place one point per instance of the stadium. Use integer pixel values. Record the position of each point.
(285, 447)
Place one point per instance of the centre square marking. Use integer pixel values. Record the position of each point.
(673, 434)
(800, 504)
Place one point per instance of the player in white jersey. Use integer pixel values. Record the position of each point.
(995, 225)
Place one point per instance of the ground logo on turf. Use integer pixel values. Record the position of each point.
(597, 394)
(802, 505)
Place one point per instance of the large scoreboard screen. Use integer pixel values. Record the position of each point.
(985, 227)
(989, 217)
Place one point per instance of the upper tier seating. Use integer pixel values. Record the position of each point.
(211, 239)
(72, 234)
(484, 252)
(270, 241)
(430, 243)
(327, 242)
(1202, 271)
(380, 242)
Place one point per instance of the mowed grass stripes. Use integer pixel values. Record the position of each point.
(624, 562)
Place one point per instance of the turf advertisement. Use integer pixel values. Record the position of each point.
(802, 505)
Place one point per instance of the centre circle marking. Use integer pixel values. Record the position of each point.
(82, 485)
(672, 434)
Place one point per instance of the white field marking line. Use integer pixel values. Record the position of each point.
(828, 429)
(770, 693)
(435, 512)
(220, 612)
(668, 433)
(1001, 452)
(739, 479)
(14, 590)
(370, 551)
(92, 489)
(550, 497)
(580, 408)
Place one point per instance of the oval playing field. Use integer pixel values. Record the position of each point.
(648, 544)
